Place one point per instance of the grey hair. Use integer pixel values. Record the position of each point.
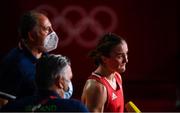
(49, 68)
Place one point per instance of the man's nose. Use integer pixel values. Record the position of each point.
(51, 30)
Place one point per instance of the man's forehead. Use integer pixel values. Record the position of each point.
(43, 21)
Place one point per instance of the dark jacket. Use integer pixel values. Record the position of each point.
(45, 101)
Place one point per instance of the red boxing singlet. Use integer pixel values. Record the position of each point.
(115, 98)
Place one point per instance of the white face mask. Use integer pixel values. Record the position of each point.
(51, 42)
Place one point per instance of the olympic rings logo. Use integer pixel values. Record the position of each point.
(87, 20)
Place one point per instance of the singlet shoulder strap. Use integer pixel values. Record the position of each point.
(118, 77)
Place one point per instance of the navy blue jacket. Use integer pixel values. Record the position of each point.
(17, 73)
(45, 101)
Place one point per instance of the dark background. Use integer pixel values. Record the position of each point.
(149, 26)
